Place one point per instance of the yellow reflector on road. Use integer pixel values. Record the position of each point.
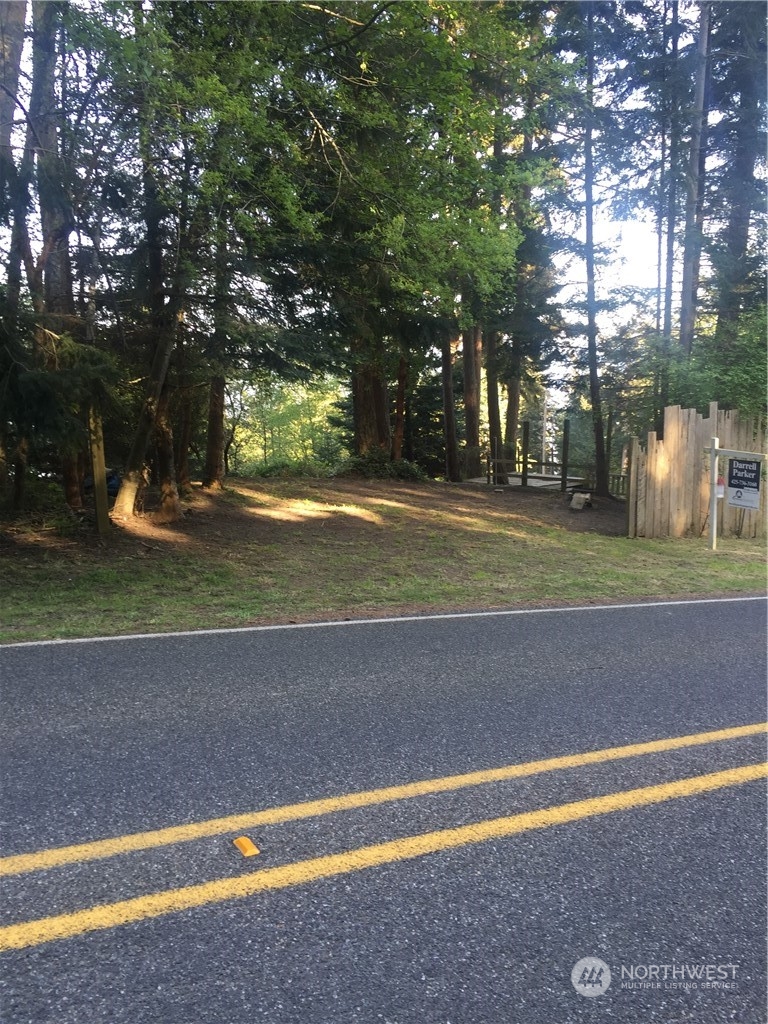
(246, 846)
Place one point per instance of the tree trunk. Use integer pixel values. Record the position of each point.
(99, 470)
(693, 202)
(609, 437)
(56, 216)
(19, 474)
(470, 340)
(133, 476)
(70, 472)
(370, 403)
(452, 471)
(12, 18)
(163, 319)
(494, 415)
(409, 448)
(602, 482)
(229, 440)
(213, 474)
(170, 505)
(672, 124)
(514, 382)
(184, 439)
(742, 195)
(512, 417)
(13, 183)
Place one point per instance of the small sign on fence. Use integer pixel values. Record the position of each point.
(744, 483)
(743, 469)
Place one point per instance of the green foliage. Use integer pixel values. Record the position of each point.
(736, 376)
(289, 469)
(272, 422)
(41, 496)
(289, 190)
(43, 507)
(377, 465)
(45, 385)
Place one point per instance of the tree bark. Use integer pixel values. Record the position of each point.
(470, 340)
(163, 320)
(452, 471)
(494, 415)
(693, 201)
(672, 125)
(184, 439)
(742, 197)
(99, 470)
(370, 402)
(15, 183)
(132, 478)
(602, 482)
(514, 383)
(513, 417)
(170, 504)
(56, 215)
(70, 472)
(12, 18)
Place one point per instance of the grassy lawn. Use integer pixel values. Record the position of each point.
(282, 551)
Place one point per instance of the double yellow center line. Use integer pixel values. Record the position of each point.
(32, 933)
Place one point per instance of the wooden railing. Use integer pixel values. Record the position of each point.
(570, 475)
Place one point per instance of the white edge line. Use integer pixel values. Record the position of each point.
(335, 623)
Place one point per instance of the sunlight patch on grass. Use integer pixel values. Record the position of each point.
(298, 510)
(318, 557)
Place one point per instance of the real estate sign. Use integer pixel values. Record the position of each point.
(744, 483)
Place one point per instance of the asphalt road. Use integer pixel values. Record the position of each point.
(344, 918)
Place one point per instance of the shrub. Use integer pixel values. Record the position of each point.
(377, 465)
(42, 496)
(289, 468)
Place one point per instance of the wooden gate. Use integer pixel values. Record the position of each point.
(668, 492)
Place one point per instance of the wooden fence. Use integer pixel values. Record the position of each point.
(668, 493)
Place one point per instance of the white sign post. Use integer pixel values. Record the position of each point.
(713, 453)
(743, 482)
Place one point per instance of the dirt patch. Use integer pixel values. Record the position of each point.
(216, 520)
